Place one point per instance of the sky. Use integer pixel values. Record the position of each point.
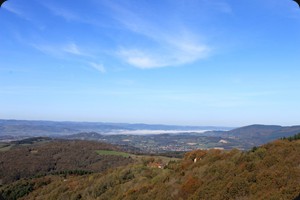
(181, 62)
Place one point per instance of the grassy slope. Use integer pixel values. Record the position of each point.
(113, 153)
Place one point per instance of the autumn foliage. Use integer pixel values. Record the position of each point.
(268, 172)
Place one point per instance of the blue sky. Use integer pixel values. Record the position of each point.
(186, 62)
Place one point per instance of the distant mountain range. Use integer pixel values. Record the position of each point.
(247, 135)
(241, 138)
(49, 128)
(258, 134)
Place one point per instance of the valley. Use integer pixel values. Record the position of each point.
(232, 164)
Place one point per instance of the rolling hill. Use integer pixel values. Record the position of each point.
(52, 128)
(258, 134)
(270, 171)
(39, 156)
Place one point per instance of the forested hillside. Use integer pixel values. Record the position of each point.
(268, 172)
(56, 157)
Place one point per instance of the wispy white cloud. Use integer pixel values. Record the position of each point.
(62, 12)
(166, 47)
(62, 51)
(48, 49)
(170, 53)
(140, 59)
(72, 48)
(144, 59)
(16, 10)
(98, 67)
(70, 15)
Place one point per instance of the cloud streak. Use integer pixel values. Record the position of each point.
(70, 16)
(62, 12)
(59, 50)
(62, 50)
(144, 59)
(74, 49)
(16, 10)
(167, 51)
(98, 67)
(159, 45)
(165, 47)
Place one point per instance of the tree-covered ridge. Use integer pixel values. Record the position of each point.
(57, 157)
(291, 138)
(268, 172)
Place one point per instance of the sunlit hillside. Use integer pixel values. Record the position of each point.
(267, 172)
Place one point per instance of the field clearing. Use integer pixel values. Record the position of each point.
(5, 147)
(138, 158)
(114, 153)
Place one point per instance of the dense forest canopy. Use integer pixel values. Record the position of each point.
(270, 171)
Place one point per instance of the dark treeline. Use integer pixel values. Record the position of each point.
(291, 138)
